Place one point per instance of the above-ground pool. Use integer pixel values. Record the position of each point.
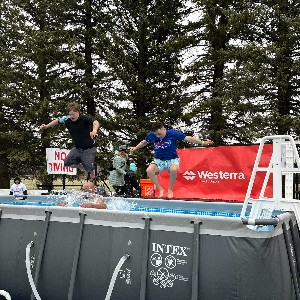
(159, 250)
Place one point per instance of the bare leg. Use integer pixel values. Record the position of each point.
(173, 176)
(152, 172)
(90, 175)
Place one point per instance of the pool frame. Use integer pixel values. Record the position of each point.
(216, 257)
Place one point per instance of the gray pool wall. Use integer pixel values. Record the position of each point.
(171, 256)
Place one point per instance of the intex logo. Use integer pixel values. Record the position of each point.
(190, 175)
(169, 249)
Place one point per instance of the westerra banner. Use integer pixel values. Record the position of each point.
(55, 162)
(219, 173)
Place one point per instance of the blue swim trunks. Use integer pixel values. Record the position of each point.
(165, 164)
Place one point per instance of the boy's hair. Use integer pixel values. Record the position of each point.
(157, 125)
(73, 106)
(17, 179)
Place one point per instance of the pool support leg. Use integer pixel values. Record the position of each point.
(0, 214)
(292, 259)
(196, 260)
(145, 258)
(41, 252)
(295, 238)
(76, 257)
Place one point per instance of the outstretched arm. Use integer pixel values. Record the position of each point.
(96, 126)
(141, 144)
(194, 140)
(99, 204)
(51, 124)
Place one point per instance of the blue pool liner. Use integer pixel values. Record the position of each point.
(141, 209)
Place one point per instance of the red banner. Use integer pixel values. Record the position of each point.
(219, 173)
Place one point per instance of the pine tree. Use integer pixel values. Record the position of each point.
(246, 69)
(283, 41)
(145, 42)
(17, 138)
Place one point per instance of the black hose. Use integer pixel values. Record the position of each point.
(273, 221)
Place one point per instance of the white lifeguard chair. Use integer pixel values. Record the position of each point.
(283, 160)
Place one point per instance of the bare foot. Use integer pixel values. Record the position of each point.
(170, 194)
(161, 193)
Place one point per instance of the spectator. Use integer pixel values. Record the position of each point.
(18, 188)
(132, 186)
(118, 171)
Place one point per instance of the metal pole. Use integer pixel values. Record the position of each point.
(76, 257)
(145, 258)
(41, 252)
(295, 241)
(64, 181)
(291, 257)
(196, 260)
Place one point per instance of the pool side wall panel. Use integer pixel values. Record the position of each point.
(235, 263)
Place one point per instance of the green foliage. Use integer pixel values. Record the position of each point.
(227, 70)
(247, 69)
(145, 40)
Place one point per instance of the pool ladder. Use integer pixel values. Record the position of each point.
(284, 156)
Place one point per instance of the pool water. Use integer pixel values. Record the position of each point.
(188, 212)
(123, 204)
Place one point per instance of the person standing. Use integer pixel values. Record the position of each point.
(132, 186)
(118, 171)
(83, 129)
(165, 153)
(18, 188)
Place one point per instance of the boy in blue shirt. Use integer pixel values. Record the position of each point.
(165, 153)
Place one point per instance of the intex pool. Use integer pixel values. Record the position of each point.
(73, 253)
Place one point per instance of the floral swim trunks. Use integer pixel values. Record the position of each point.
(165, 164)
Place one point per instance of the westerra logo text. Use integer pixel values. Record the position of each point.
(169, 249)
(206, 175)
(220, 175)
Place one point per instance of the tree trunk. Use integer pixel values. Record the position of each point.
(4, 174)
